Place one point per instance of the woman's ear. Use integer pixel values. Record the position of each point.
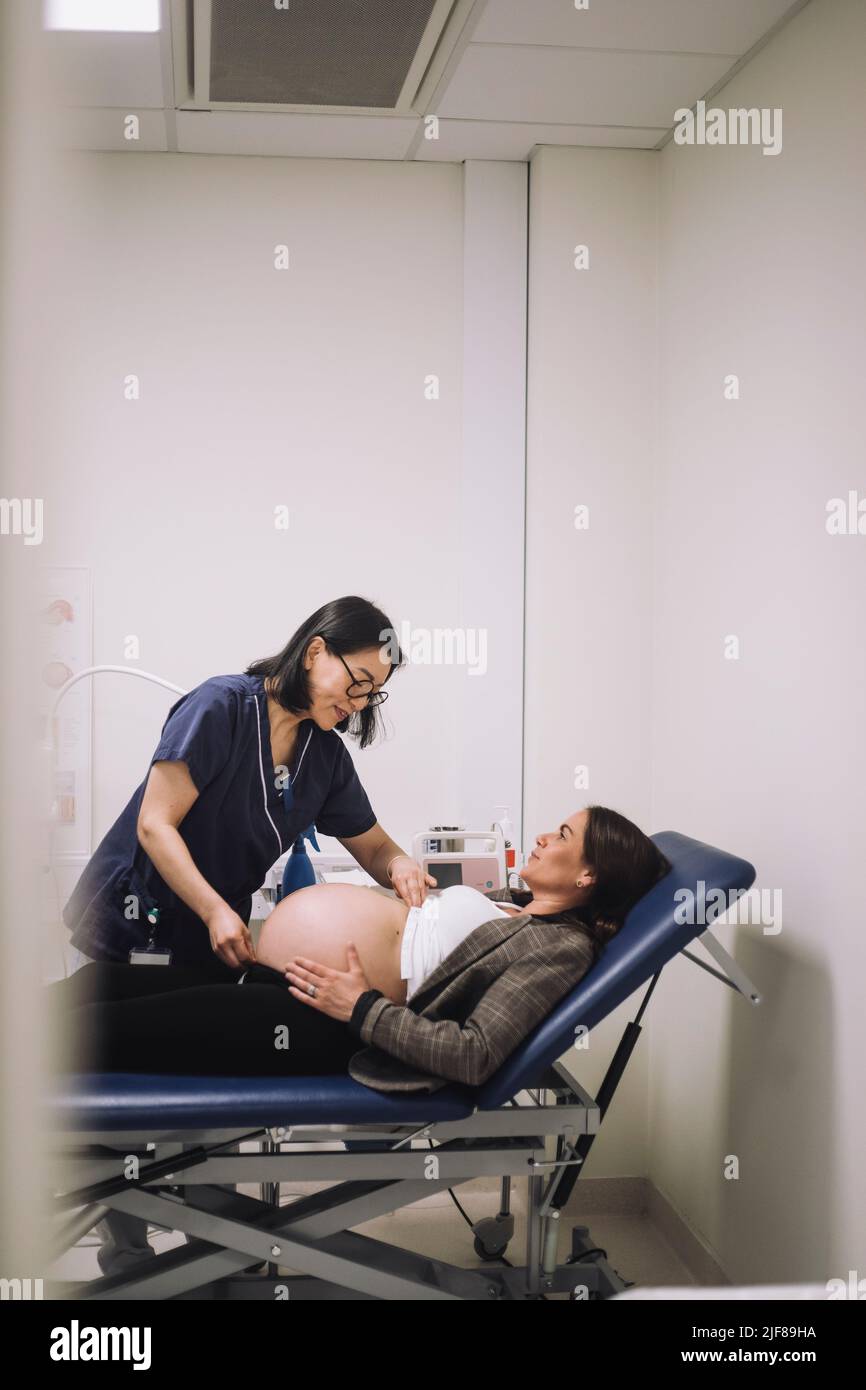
(586, 878)
(312, 652)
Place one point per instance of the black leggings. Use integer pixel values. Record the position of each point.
(184, 1020)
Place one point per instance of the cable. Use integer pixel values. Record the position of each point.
(468, 1219)
(124, 670)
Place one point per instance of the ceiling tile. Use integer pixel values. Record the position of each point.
(107, 69)
(674, 26)
(574, 87)
(294, 134)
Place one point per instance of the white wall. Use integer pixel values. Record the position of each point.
(491, 500)
(261, 387)
(590, 441)
(708, 519)
(762, 274)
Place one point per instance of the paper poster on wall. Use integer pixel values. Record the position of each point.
(66, 647)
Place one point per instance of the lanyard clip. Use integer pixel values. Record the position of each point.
(153, 919)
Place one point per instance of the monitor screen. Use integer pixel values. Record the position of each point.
(445, 874)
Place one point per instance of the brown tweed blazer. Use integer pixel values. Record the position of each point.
(474, 1009)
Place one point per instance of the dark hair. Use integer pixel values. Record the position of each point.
(627, 864)
(347, 625)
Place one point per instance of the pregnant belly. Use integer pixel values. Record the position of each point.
(319, 921)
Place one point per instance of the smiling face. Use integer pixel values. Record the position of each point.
(556, 869)
(328, 681)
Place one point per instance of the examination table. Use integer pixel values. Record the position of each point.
(186, 1134)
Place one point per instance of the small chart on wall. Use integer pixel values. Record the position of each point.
(65, 648)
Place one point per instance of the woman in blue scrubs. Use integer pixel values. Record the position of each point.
(244, 765)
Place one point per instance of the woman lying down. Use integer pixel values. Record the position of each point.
(442, 992)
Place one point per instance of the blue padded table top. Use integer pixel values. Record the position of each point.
(650, 937)
(105, 1101)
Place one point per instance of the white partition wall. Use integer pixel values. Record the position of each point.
(492, 492)
(590, 451)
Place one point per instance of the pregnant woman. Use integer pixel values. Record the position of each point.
(339, 967)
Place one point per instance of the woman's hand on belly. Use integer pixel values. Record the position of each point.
(336, 991)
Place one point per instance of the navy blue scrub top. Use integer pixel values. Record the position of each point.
(235, 830)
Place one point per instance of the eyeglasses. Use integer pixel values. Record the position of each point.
(359, 688)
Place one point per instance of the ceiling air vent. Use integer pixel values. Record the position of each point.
(315, 54)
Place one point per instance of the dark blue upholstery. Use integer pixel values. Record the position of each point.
(649, 938)
(119, 1100)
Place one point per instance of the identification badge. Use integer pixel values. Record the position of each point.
(143, 957)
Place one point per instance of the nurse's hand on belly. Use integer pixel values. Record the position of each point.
(230, 937)
(336, 991)
(409, 880)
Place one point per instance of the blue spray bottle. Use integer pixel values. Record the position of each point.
(299, 871)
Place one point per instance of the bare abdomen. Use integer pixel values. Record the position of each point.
(319, 921)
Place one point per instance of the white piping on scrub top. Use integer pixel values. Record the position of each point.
(262, 773)
(301, 759)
